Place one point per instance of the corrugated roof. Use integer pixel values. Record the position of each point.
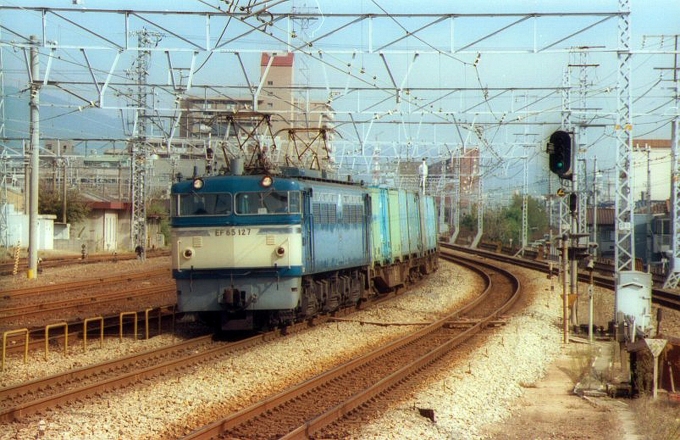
(113, 206)
(605, 216)
(652, 143)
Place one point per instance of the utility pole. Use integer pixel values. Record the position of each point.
(624, 234)
(455, 203)
(565, 224)
(4, 203)
(4, 160)
(34, 104)
(595, 203)
(648, 206)
(565, 282)
(632, 288)
(480, 209)
(674, 274)
(525, 203)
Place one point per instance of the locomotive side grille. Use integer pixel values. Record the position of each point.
(270, 240)
(197, 241)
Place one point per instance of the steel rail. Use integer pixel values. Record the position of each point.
(7, 268)
(54, 307)
(669, 298)
(329, 416)
(82, 284)
(111, 327)
(340, 411)
(133, 374)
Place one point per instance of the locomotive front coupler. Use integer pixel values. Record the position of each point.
(232, 301)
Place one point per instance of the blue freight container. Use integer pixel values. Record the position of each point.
(339, 227)
(415, 240)
(396, 246)
(381, 239)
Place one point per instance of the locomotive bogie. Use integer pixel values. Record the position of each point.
(326, 293)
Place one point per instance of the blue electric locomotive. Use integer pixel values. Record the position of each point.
(259, 251)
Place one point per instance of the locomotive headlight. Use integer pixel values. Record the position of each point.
(266, 181)
(188, 253)
(280, 251)
(198, 183)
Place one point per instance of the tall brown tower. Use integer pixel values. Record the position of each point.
(277, 89)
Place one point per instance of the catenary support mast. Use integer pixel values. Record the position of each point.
(674, 275)
(34, 105)
(623, 251)
(140, 154)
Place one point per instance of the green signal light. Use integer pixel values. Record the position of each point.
(559, 151)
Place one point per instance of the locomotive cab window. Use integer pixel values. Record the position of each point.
(269, 202)
(204, 204)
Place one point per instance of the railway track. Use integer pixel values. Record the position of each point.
(603, 275)
(28, 398)
(72, 303)
(98, 328)
(17, 266)
(310, 407)
(30, 293)
(67, 308)
(335, 427)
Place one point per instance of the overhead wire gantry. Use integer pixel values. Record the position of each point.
(377, 79)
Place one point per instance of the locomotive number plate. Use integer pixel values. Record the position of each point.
(232, 232)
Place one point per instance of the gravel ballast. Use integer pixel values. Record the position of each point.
(465, 397)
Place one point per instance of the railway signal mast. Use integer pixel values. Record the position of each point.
(633, 288)
(560, 153)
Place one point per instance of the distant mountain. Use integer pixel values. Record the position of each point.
(59, 116)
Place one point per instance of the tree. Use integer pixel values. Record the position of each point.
(468, 225)
(160, 209)
(505, 224)
(51, 202)
(537, 219)
(497, 226)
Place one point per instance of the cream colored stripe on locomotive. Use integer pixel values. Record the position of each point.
(241, 248)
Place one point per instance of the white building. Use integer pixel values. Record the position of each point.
(651, 162)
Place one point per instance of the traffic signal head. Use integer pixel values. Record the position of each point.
(559, 150)
(573, 204)
(577, 253)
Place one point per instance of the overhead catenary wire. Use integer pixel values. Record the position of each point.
(492, 129)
